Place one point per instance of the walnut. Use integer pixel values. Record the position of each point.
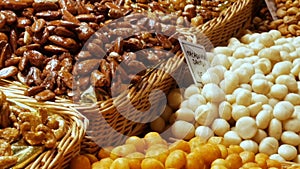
(5, 148)
(9, 134)
(7, 161)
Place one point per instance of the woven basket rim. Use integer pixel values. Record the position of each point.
(69, 145)
(225, 15)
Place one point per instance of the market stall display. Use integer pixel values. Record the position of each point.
(55, 47)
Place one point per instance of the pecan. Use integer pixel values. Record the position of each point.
(45, 95)
(67, 24)
(23, 63)
(95, 50)
(69, 17)
(8, 72)
(11, 17)
(44, 6)
(33, 90)
(84, 32)
(86, 17)
(35, 58)
(82, 55)
(49, 81)
(49, 15)
(12, 61)
(22, 22)
(165, 43)
(105, 69)
(83, 82)
(68, 5)
(13, 39)
(20, 51)
(55, 49)
(52, 65)
(38, 25)
(94, 26)
(67, 43)
(132, 44)
(5, 53)
(3, 37)
(98, 79)
(85, 67)
(28, 13)
(2, 20)
(34, 76)
(67, 78)
(62, 31)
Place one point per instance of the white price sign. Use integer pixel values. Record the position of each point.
(196, 59)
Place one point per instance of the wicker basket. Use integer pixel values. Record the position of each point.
(231, 22)
(290, 165)
(113, 120)
(111, 125)
(69, 146)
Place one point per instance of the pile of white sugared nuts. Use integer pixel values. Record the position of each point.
(250, 97)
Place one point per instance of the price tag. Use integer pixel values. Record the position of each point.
(272, 8)
(196, 59)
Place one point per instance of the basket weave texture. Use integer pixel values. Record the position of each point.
(231, 22)
(69, 145)
(109, 123)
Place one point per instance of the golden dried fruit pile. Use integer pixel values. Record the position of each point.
(153, 152)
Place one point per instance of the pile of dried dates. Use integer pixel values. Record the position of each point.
(25, 134)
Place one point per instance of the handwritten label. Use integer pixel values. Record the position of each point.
(272, 8)
(196, 59)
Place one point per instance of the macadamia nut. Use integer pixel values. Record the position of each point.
(204, 132)
(288, 152)
(183, 130)
(213, 93)
(261, 86)
(191, 90)
(293, 98)
(232, 138)
(289, 81)
(205, 114)
(239, 111)
(268, 145)
(244, 98)
(291, 138)
(279, 91)
(220, 126)
(282, 68)
(275, 128)
(292, 125)
(225, 110)
(263, 119)
(185, 114)
(283, 110)
(269, 53)
(196, 100)
(246, 127)
(249, 145)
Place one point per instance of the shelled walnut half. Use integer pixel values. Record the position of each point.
(25, 133)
